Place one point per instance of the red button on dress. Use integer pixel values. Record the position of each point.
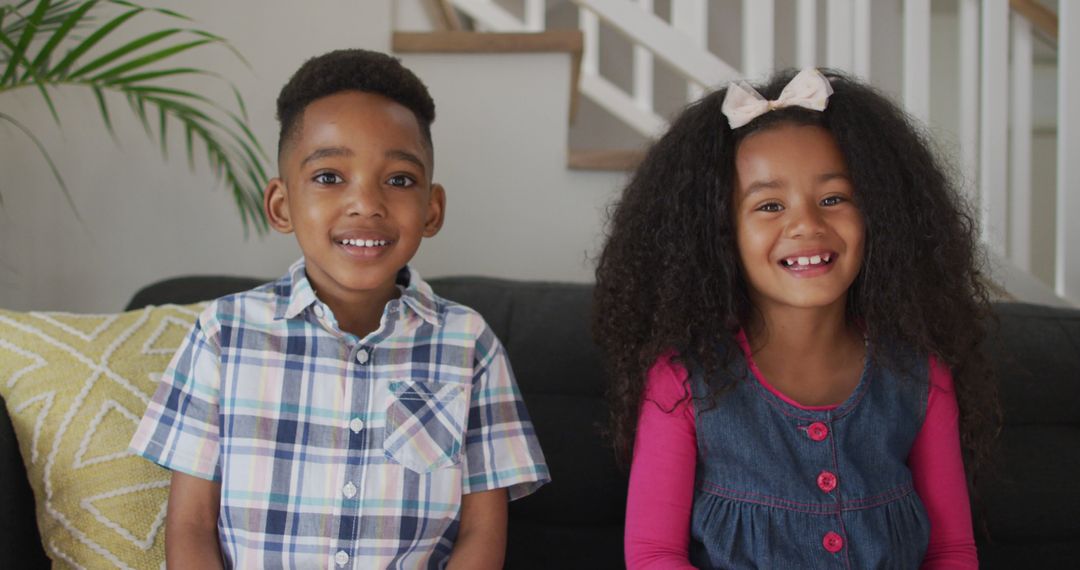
(826, 481)
(833, 542)
(817, 431)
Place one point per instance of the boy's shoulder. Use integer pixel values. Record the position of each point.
(446, 313)
(250, 308)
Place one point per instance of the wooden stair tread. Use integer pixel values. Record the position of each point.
(570, 41)
(605, 159)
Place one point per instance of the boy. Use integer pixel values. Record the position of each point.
(344, 415)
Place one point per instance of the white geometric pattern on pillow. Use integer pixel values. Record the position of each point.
(75, 387)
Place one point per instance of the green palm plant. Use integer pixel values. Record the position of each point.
(45, 45)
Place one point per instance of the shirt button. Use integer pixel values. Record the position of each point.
(817, 431)
(833, 542)
(826, 481)
(319, 311)
(356, 425)
(341, 558)
(362, 356)
(349, 490)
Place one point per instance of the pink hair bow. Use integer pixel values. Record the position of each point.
(809, 89)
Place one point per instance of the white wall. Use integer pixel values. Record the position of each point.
(146, 219)
(514, 210)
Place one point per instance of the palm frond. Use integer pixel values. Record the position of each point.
(38, 48)
(48, 159)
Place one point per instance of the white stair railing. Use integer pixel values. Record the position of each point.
(1067, 271)
(995, 154)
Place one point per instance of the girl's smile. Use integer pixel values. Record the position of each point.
(799, 232)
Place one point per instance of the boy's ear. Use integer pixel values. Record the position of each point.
(276, 205)
(436, 210)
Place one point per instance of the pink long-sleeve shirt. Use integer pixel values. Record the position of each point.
(665, 455)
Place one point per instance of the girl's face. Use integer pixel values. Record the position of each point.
(799, 233)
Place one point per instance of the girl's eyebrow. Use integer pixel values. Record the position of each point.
(758, 185)
(833, 176)
(772, 184)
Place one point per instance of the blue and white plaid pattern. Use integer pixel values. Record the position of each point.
(335, 451)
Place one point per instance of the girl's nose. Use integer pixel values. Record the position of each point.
(366, 199)
(806, 221)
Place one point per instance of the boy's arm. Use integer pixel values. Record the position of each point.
(191, 535)
(481, 540)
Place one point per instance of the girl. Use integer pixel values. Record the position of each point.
(790, 305)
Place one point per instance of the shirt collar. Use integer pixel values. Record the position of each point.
(418, 296)
(295, 294)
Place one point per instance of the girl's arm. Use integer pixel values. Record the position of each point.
(481, 540)
(938, 473)
(662, 473)
(191, 535)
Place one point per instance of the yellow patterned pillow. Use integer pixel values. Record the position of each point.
(76, 387)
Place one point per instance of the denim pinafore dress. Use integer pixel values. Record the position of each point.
(779, 486)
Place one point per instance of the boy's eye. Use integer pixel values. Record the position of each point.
(833, 200)
(328, 178)
(400, 181)
(770, 207)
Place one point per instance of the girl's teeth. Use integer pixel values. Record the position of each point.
(812, 260)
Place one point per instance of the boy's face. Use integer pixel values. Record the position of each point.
(356, 189)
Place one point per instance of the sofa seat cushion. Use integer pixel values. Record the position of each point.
(75, 387)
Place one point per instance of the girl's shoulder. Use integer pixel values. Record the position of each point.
(667, 383)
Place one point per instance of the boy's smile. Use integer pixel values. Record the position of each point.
(799, 232)
(355, 188)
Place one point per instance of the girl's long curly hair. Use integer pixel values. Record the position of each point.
(669, 275)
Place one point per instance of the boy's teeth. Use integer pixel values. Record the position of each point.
(364, 242)
(815, 260)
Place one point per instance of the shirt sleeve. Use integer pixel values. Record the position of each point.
(501, 448)
(661, 489)
(937, 469)
(179, 429)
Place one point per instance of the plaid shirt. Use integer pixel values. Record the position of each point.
(335, 451)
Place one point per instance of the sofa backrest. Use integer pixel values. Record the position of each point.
(1029, 499)
(1028, 502)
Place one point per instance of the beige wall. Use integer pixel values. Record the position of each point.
(514, 210)
(146, 219)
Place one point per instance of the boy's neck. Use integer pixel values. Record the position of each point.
(359, 313)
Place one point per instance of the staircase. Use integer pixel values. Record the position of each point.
(958, 66)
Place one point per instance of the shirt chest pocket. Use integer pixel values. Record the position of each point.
(425, 424)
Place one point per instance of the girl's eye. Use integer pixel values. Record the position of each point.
(401, 181)
(833, 200)
(328, 178)
(770, 207)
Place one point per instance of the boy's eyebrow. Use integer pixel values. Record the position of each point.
(394, 154)
(325, 152)
(407, 156)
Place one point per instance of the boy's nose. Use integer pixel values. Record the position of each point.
(365, 199)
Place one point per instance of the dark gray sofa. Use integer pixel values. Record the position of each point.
(1029, 504)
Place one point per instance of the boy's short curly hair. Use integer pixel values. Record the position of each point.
(352, 70)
